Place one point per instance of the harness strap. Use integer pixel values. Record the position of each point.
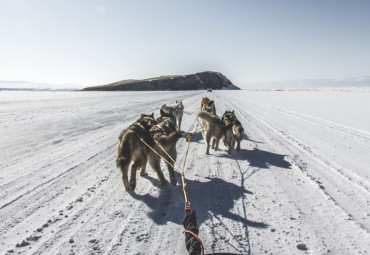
(157, 153)
(160, 146)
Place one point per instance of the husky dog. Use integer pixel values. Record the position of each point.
(210, 109)
(176, 110)
(233, 131)
(131, 148)
(166, 136)
(208, 105)
(205, 101)
(213, 129)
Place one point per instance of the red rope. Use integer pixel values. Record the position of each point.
(201, 244)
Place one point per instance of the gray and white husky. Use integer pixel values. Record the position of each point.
(212, 129)
(177, 110)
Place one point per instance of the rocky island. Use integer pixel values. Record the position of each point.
(198, 81)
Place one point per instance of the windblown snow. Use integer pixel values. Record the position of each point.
(301, 183)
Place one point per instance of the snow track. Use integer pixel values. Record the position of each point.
(300, 178)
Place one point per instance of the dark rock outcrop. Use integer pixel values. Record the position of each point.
(196, 81)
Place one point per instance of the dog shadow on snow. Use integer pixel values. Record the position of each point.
(213, 198)
(259, 158)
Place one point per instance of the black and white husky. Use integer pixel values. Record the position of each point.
(233, 131)
(177, 110)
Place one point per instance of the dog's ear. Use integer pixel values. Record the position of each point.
(232, 111)
(142, 115)
(176, 102)
(152, 115)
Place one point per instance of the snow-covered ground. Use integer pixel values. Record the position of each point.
(302, 177)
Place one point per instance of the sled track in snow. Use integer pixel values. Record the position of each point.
(358, 188)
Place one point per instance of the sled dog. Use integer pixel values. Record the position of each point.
(208, 105)
(131, 148)
(212, 129)
(166, 136)
(176, 110)
(233, 131)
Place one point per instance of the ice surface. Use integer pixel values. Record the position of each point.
(301, 180)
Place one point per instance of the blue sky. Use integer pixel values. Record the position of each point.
(90, 42)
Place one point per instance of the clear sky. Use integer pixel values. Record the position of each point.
(90, 42)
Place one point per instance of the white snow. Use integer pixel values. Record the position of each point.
(302, 176)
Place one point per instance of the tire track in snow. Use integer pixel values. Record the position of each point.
(362, 136)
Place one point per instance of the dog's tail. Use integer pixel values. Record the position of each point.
(123, 154)
(209, 118)
(165, 108)
(166, 112)
(169, 140)
(238, 132)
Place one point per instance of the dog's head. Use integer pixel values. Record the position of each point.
(179, 105)
(228, 117)
(229, 114)
(209, 108)
(147, 120)
(205, 100)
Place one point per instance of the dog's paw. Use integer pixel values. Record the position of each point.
(173, 181)
(143, 174)
(132, 185)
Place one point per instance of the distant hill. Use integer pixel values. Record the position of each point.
(196, 81)
(36, 86)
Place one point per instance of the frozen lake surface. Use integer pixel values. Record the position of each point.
(302, 176)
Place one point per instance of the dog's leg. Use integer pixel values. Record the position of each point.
(171, 171)
(123, 164)
(238, 146)
(224, 141)
(143, 171)
(179, 119)
(154, 162)
(134, 168)
(217, 141)
(230, 148)
(207, 140)
(213, 143)
(233, 143)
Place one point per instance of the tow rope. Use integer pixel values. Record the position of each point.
(189, 113)
(188, 210)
